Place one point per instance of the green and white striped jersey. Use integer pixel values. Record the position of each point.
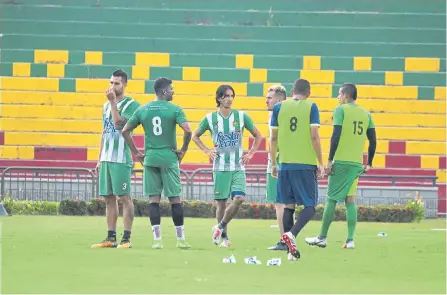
(114, 148)
(227, 134)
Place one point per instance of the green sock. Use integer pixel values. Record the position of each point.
(351, 219)
(328, 215)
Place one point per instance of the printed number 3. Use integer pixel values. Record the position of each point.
(124, 186)
(156, 122)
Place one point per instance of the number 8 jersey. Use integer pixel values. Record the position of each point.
(159, 119)
(355, 121)
(293, 119)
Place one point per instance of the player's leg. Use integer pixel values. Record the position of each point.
(351, 215)
(222, 189)
(152, 187)
(339, 185)
(285, 189)
(221, 206)
(305, 190)
(121, 175)
(172, 187)
(273, 195)
(106, 191)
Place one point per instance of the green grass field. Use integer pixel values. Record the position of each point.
(43, 254)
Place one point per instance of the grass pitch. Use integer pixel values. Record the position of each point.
(51, 254)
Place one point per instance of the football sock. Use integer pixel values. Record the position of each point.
(222, 224)
(177, 214)
(303, 219)
(126, 235)
(156, 231)
(224, 233)
(111, 234)
(287, 219)
(154, 213)
(180, 232)
(351, 219)
(328, 215)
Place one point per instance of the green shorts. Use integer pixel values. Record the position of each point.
(343, 182)
(114, 179)
(271, 189)
(159, 179)
(228, 183)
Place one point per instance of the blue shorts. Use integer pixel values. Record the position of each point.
(298, 187)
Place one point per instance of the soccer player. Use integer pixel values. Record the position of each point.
(352, 126)
(295, 126)
(115, 160)
(161, 157)
(275, 94)
(226, 126)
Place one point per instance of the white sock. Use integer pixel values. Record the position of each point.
(180, 231)
(156, 231)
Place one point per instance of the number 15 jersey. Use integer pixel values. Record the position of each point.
(354, 121)
(159, 120)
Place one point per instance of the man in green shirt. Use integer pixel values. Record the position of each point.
(115, 160)
(227, 126)
(352, 126)
(161, 158)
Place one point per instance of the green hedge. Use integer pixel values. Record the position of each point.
(413, 211)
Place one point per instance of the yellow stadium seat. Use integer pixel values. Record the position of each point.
(93, 57)
(21, 69)
(311, 62)
(101, 85)
(425, 148)
(362, 63)
(205, 88)
(376, 91)
(429, 162)
(51, 56)
(51, 112)
(191, 74)
(35, 84)
(419, 64)
(258, 75)
(318, 76)
(17, 152)
(154, 59)
(51, 139)
(441, 174)
(440, 93)
(244, 61)
(56, 70)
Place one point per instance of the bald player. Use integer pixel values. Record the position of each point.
(295, 125)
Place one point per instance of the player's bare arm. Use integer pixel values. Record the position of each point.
(118, 121)
(100, 152)
(371, 134)
(258, 138)
(196, 139)
(273, 151)
(187, 135)
(128, 128)
(316, 143)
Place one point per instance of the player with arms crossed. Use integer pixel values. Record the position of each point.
(161, 158)
(115, 160)
(352, 126)
(275, 94)
(295, 125)
(226, 126)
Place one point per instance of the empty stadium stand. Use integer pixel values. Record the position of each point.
(57, 57)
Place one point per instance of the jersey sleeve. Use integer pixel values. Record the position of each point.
(131, 109)
(314, 115)
(203, 126)
(338, 116)
(248, 122)
(180, 117)
(135, 118)
(275, 113)
(371, 123)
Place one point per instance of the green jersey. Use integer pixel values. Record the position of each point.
(293, 118)
(114, 148)
(269, 161)
(227, 134)
(354, 120)
(159, 119)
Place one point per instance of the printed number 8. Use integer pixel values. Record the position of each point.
(156, 122)
(293, 124)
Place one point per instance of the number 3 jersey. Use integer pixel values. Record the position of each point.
(159, 119)
(114, 148)
(227, 135)
(354, 120)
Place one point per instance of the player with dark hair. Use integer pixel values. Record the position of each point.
(161, 157)
(295, 125)
(115, 160)
(352, 126)
(227, 126)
